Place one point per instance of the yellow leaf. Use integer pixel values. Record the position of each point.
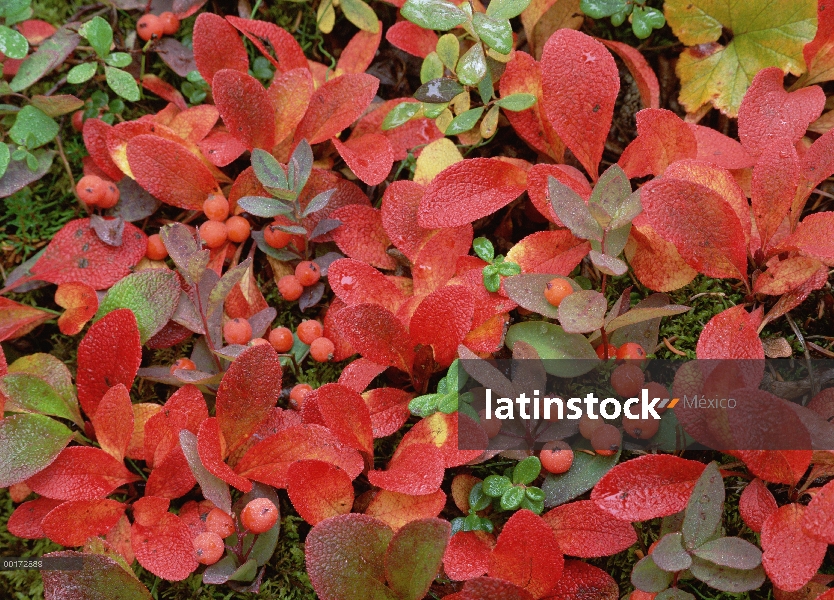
(435, 157)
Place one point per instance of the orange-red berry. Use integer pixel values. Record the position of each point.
(156, 249)
(170, 23)
(259, 515)
(213, 234)
(216, 207)
(185, 364)
(322, 349)
(78, 120)
(290, 288)
(238, 229)
(91, 189)
(612, 351)
(208, 547)
(656, 390)
(641, 429)
(275, 237)
(298, 393)
(110, 196)
(237, 331)
(281, 339)
(587, 426)
(556, 290)
(308, 331)
(631, 351)
(556, 457)
(606, 440)
(220, 523)
(149, 26)
(307, 272)
(627, 380)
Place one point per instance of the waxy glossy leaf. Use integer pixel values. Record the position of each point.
(81, 473)
(580, 580)
(335, 106)
(51, 53)
(319, 490)
(467, 555)
(100, 577)
(370, 157)
(217, 46)
(410, 37)
(662, 138)
(245, 107)
(791, 557)
(165, 548)
(433, 14)
(29, 443)
(74, 522)
(583, 529)
(416, 470)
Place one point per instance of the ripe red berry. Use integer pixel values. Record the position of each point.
(220, 523)
(322, 349)
(110, 196)
(208, 547)
(290, 288)
(606, 440)
(656, 390)
(641, 429)
(308, 331)
(281, 339)
(556, 290)
(216, 207)
(587, 426)
(237, 331)
(307, 272)
(612, 351)
(170, 23)
(627, 380)
(185, 364)
(238, 229)
(213, 234)
(556, 457)
(259, 515)
(149, 26)
(298, 393)
(275, 237)
(91, 189)
(631, 351)
(78, 120)
(156, 249)
(641, 595)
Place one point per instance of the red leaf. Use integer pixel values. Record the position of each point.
(816, 521)
(210, 448)
(775, 178)
(779, 466)
(786, 275)
(346, 193)
(189, 400)
(319, 490)
(583, 529)
(436, 262)
(172, 477)
(527, 553)
(700, 223)
(162, 434)
(74, 522)
(268, 460)
(77, 254)
(417, 470)
(396, 510)
(409, 136)
(17, 319)
(35, 31)
(165, 548)
(756, 504)
(537, 187)
(342, 349)
(25, 521)
(580, 82)
(388, 408)
(732, 334)
(95, 139)
(441, 430)
(376, 334)
(662, 138)
(468, 190)
(768, 112)
(483, 588)
(288, 53)
(119, 538)
(290, 95)
(791, 557)
(442, 320)
(335, 106)
(817, 165)
(412, 38)
(656, 262)
(345, 414)
(81, 473)
(818, 52)
(467, 555)
(195, 123)
(361, 235)
(359, 373)
(640, 69)
(113, 422)
(812, 238)
(247, 393)
(150, 509)
(245, 107)
(716, 148)
(581, 581)
(370, 157)
(80, 302)
(400, 204)
(650, 486)
(556, 252)
(115, 334)
(221, 147)
(217, 46)
(164, 90)
(170, 172)
(359, 52)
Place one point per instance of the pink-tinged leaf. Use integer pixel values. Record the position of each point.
(441, 430)
(77, 254)
(195, 123)
(388, 408)
(442, 320)
(417, 470)
(288, 53)
(655, 262)
(523, 75)
(95, 139)
(17, 319)
(786, 275)
(411, 38)
(113, 422)
(414, 557)
(165, 548)
(319, 490)
(716, 148)
(359, 52)
(468, 190)
(775, 179)
(436, 261)
(74, 522)
(345, 558)
(700, 223)
(641, 71)
(245, 107)
(150, 509)
(247, 393)
(467, 555)
(409, 136)
(580, 82)
(268, 460)
(359, 374)
(813, 238)
(345, 414)
(816, 521)
(361, 235)
(396, 510)
(335, 106)
(377, 335)
(290, 95)
(527, 553)
(817, 165)
(81, 304)
(217, 45)
(768, 112)
(662, 138)
(115, 334)
(370, 157)
(650, 486)
(791, 557)
(172, 477)
(732, 334)
(25, 521)
(210, 449)
(481, 588)
(756, 504)
(556, 252)
(581, 581)
(583, 529)
(537, 187)
(81, 473)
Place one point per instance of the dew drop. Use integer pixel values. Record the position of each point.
(347, 282)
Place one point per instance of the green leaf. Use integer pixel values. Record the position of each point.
(431, 68)
(16, 11)
(432, 111)
(674, 594)
(245, 572)
(400, 115)
(118, 59)
(33, 128)
(670, 555)
(101, 576)
(81, 73)
(29, 443)
(535, 494)
(300, 166)
(727, 579)
(610, 265)
(293, 229)
(29, 393)
(648, 577)
(433, 14)
(598, 9)
(484, 249)
(442, 89)
(536, 506)
(512, 498)
(644, 20)
(361, 15)
(730, 552)
(100, 35)
(51, 53)
(517, 102)
(5, 158)
(551, 342)
(619, 17)
(464, 121)
(448, 50)
(122, 83)
(496, 485)
(486, 89)
(423, 406)
(448, 403)
(152, 295)
(261, 206)
(414, 557)
(472, 66)
(494, 32)
(527, 470)
(472, 522)
(268, 170)
(506, 9)
(585, 471)
(478, 500)
(508, 269)
(319, 202)
(12, 43)
(492, 280)
(706, 505)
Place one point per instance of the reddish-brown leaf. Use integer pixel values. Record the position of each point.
(482, 588)
(556, 252)
(359, 52)
(716, 148)
(756, 504)
(468, 190)
(640, 69)
(19, 319)
(581, 581)
(656, 263)
(417, 470)
(113, 422)
(583, 529)
(791, 557)
(245, 107)
(662, 138)
(217, 45)
(25, 521)
(527, 553)
(650, 486)
(376, 334)
(388, 408)
(467, 555)
(81, 473)
(115, 334)
(95, 139)
(319, 490)
(775, 179)
(288, 53)
(732, 334)
(361, 235)
(80, 302)
(812, 238)
(345, 414)
(396, 509)
(370, 157)
(74, 522)
(580, 83)
(442, 320)
(411, 38)
(165, 548)
(336, 105)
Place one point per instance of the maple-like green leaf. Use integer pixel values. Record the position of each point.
(766, 33)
